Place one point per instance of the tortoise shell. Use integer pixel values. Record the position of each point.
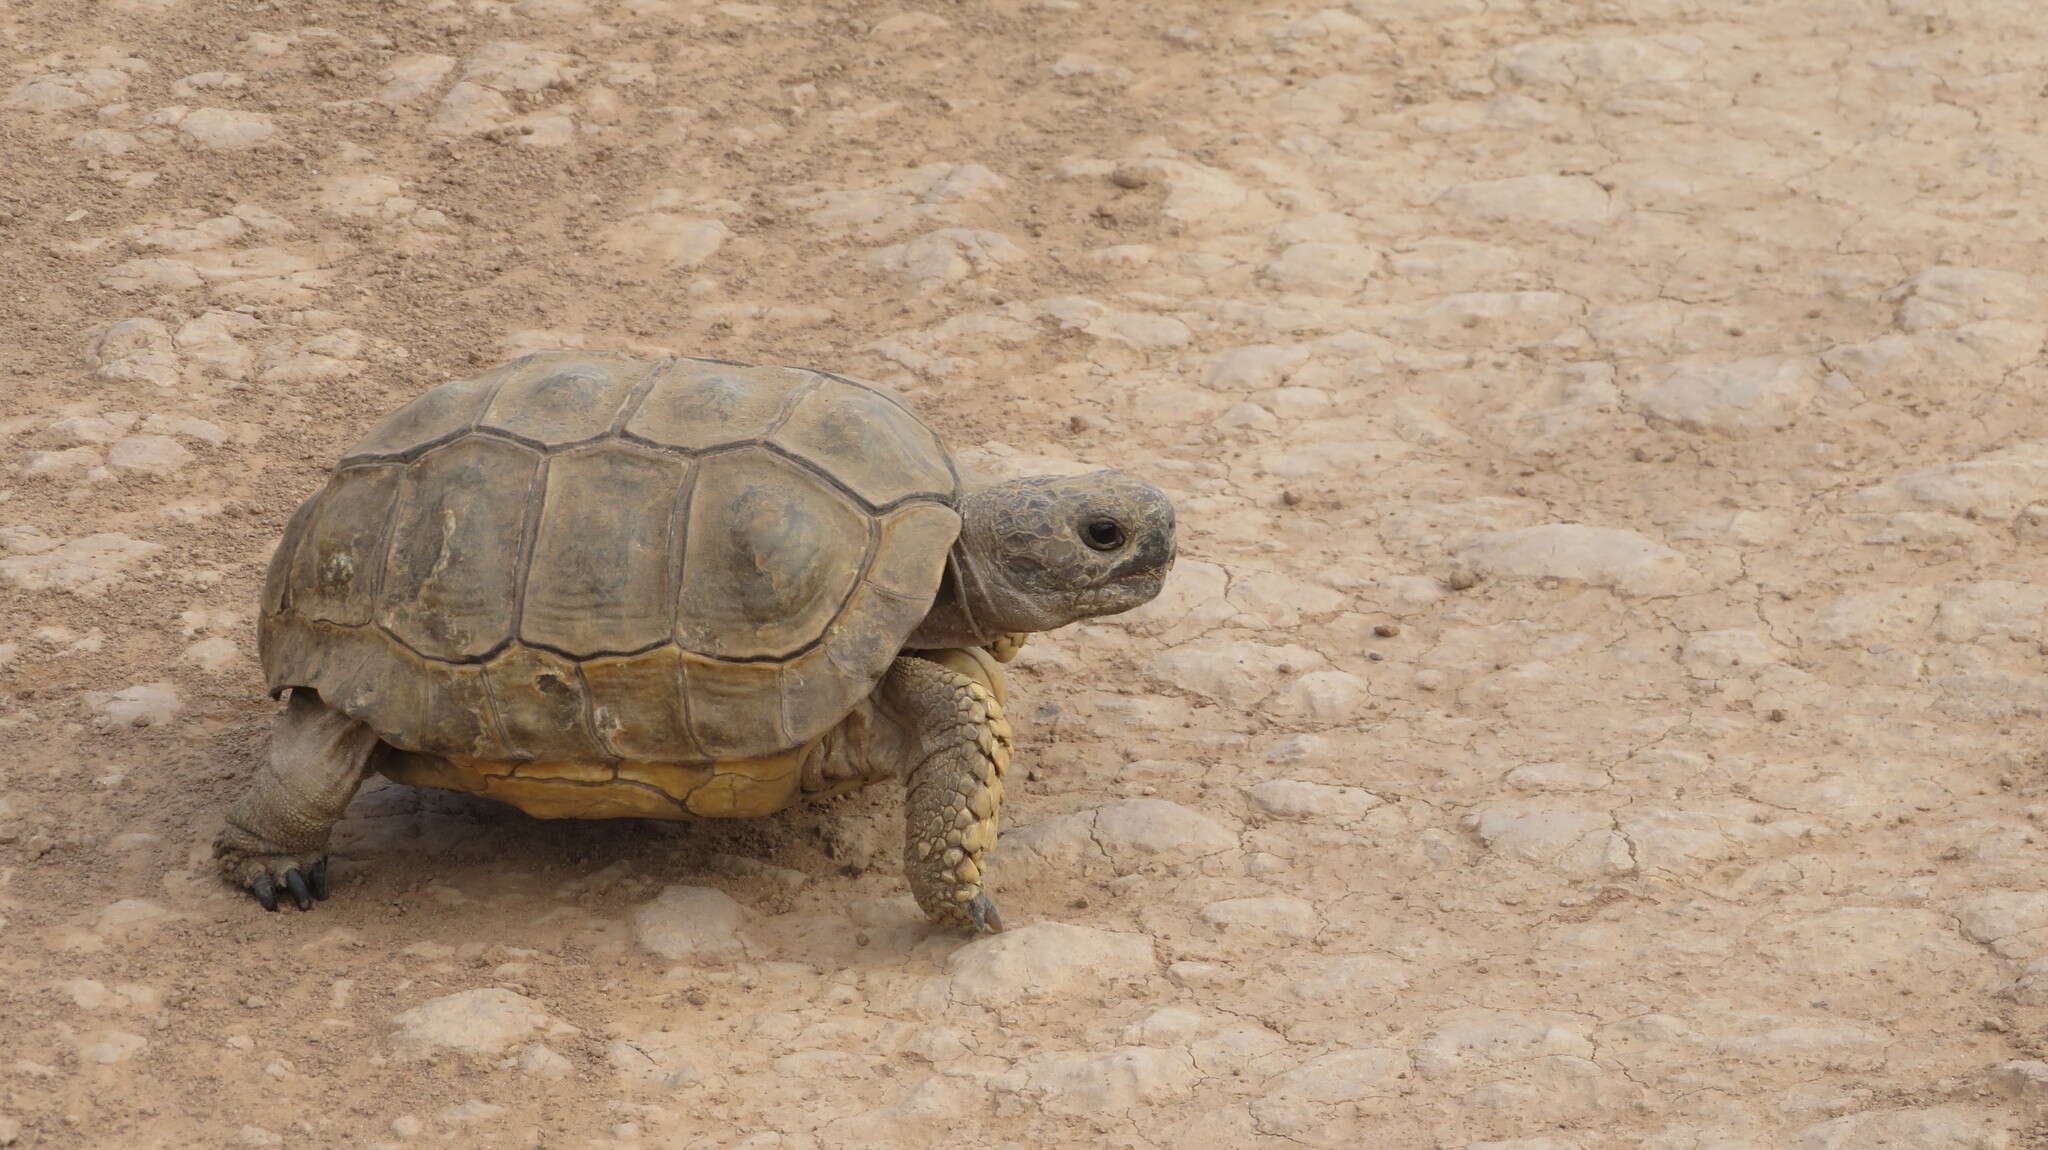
(602, 559)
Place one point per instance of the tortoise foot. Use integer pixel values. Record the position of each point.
(987, 919)
(266, 876)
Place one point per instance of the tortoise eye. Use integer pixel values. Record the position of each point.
(1104, 534)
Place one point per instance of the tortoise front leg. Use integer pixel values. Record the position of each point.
(276, 835)
(950, 705)
(1006, 645)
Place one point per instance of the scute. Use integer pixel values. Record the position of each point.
(599, 577)
(334, 569)
(563, 397)
(539, 699)
(444, 411)
(698, 405)
(867, 442)
(453, 563)
(769, 558)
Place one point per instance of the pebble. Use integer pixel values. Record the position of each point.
(1748, 395)
(148, 455)
(189, 426)
(1600, 556)
(64, 464)
(691, 924)
(948, 255)
(1113, 1082)
(1044, 960)
(1339, 270)
(1255, 368)
(482, 1021)
(1326, 698)
(137, 350)
(1293, 799)
(1479, 1039)
(1949, 297)
(89, 566)
(469, 109)
(407, 1126)
(1280, 916)
(673, 240)
(1718, 654)
(1129, 835)
(1932, 1128)
(224, 129)
(2012, 923)
(1570, 202)
(410, 77)
(665, 1059)
(109, 1047)
(1232, 671)
(144, 705)
(1291, 1106)
(1580, 843)
(127, 916)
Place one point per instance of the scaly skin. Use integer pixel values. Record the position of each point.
(1005, 646)
(955, 783)
(275, 838)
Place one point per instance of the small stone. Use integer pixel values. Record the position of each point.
(128, 915)
(672, 240)
(226, 129)
(947, 256)
(1569, 202)
(257, 1136)
(465, 1113)
(1600, 556)
(112, 1046)
(144, 705)
(665, 1059)
(1339, 270)
(1232, 671)
(148, 455)
(1114, 1082)
(1290, 799)
(1129, 835)
(483, 1021)
(88, 566)
(1283, 916)
(189, 426)
(1327, 697)
(407, 1126)
(213, 655)
(1743, 396)
(691, 923)
(1045, 960)
(136, 350)
(410, 77)
(1255, 368)
(540, 1062)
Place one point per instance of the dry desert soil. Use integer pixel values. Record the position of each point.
(1598, 706)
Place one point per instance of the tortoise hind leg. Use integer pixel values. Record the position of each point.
(275, 837)
(950, 703)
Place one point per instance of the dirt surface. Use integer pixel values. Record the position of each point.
(1597, 706)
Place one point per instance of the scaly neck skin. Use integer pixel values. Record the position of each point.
(976, 604)
(953, 620)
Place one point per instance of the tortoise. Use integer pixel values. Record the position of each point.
(597, 585)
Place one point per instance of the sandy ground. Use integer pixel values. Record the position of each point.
(1597, 707)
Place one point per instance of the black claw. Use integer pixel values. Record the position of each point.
(986, 917)
(266, 891)
(317, 880)
(296, 882)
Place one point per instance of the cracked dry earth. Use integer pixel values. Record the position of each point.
(1597, 707)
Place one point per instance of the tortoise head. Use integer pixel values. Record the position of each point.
(1039, 553)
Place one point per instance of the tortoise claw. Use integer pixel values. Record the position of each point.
(987, 919)
(296, 883)
(265, 890)
(317, 880)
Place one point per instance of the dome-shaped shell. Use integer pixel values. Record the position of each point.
(592, 557)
